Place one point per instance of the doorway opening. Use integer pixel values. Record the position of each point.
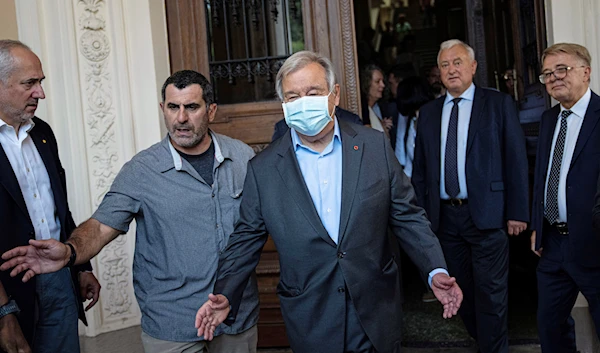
(508, 37)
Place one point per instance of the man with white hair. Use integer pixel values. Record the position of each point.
(470, 175)
(339, 287)
(41, 315)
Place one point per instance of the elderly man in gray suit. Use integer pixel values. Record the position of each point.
(327, 192)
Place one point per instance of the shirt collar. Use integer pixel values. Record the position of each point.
(581, 106)
(27, 126)
(297, 143)
(468, 95)
(220, 154)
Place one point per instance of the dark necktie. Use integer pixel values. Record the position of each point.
(450, 160)
(554, 177)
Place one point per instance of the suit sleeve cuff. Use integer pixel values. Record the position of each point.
(435, 272)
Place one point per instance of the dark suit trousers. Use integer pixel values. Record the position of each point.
(560, 279)
(355, 337)
(479, 261)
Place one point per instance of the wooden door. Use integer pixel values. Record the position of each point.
(239, 45)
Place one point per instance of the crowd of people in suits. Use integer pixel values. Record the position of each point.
(441, 169)
(464, 150)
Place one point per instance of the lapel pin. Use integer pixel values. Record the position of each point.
(44, 141)
(356, 148)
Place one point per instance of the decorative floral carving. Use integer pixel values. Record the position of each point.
(349, 56)
(94, 46)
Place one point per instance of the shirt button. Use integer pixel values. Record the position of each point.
(34, 195)
(325, 182)
(217, 226)
(329, 210)
(341, 289)
(27, 170)
(212, 195)
(42, 220)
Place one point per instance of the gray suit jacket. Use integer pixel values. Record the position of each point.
(316, 272)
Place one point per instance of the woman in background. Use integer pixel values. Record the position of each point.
(376, 112)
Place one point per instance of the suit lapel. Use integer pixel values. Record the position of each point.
(291, 176)
(352, 150)
(479, 101)
(589, 123)
(9, 180)
(434, 135)
(41, 141)
(545, 139)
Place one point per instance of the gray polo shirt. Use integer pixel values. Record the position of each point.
(182, 225)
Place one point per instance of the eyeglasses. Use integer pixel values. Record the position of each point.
(559, 73)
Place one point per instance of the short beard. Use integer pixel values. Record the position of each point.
(190, 142)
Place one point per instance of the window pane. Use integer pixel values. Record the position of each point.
(248, 42)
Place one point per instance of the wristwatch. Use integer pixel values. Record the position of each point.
(9, 308)
(73, 256)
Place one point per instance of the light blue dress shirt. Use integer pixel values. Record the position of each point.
(405, 152)
(400, 149)
(322, 174)
(464, 118)
(410, 147)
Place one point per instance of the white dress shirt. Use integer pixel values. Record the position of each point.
(31, 173)
(574, 122)
(462, 134)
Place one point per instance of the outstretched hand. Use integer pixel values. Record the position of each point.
(40, 256)
(448, 292)
(211, 314)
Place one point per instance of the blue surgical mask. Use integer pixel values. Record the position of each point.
(308, 115)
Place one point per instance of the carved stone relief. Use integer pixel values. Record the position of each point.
(94, 46)
(347, 22)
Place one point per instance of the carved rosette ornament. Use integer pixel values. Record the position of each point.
(94, 46)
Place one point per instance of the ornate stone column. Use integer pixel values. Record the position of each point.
(105, 61)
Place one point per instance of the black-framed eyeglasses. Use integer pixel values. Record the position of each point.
(559, 73)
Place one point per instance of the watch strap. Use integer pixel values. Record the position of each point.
(73, 256)
(9, 308)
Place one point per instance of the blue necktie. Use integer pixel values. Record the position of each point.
(554, 177)
(450, 160)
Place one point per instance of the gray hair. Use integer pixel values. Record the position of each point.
(576, 50)
(7, 60)
(298, 61)
(453, 42)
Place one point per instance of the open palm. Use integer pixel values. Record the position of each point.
(447, 291)
(40, 256)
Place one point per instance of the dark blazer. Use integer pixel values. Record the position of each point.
(315, 272)
(281, 127)
(18, 229)
(596, 211)
(581, 183)
(496, 161)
